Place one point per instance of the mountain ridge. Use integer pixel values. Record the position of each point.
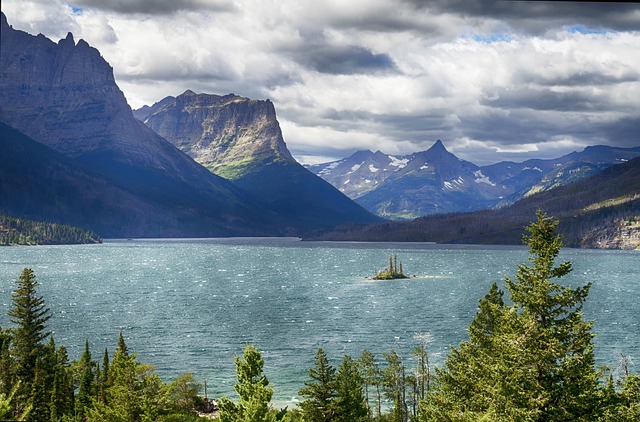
(599, 211)
(410, 186)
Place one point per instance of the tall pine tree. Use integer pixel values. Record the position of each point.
(29, 314)
(320, 392)
(532, 360)
(350, 402)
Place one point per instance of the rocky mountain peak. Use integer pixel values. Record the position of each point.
(68, 41)
(228, 134)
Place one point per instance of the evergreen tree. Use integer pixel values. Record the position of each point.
(29, 314)
(395, 384)
(350, 403)
(532, 360)
(103, 385)
(62, 391)
(86, 383)
(372, 377)
(320, 392)
(134, 392)
(253, 388)
(6, 382)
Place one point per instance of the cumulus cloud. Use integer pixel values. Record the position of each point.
(493, 79)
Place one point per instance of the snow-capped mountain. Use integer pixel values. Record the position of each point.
(436, 181)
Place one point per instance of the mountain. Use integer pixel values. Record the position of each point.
(538, 175)
(599, 211)
(436, 181)
(240, 139)
(406, 187)
(64, 96)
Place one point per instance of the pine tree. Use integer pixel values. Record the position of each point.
(395, 383)
(253, 388)
(30, 315)
(6, 382)
(350, 403)
(372, 377)
(105, 379)
(532, 360)
(86, 382)
(320, 392)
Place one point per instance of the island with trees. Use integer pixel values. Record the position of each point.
(392, 272)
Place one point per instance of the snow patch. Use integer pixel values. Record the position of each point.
(397, 162)
(426, 166)
(532, 168)
(355, 167)
(448, 185)
(347, 182)
(481, 178)
(372, 168)
(329, 168)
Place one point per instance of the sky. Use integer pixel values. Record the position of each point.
(495, 80)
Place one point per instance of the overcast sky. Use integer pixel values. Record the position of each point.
(494, 80)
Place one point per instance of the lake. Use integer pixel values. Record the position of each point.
(190, 305)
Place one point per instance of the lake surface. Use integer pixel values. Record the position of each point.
(191, 305)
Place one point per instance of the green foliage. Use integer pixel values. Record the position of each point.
(29, 315)
(532, 360)
(253, 388)
(134, 391)
(394, 386)
(86, 389)
(371, 376)
(350, 403)
(320, 392)
(18, 231)
(391, 272)
(183, 392)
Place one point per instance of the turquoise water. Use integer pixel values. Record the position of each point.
(190, 305)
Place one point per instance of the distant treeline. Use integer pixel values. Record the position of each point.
(18, 231)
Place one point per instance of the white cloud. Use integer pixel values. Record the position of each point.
(379, 74)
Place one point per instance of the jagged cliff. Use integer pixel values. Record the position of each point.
(228, 134)
(240, 139)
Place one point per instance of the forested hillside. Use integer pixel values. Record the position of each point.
(16, 231)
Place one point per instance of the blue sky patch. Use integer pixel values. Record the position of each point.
(585, 30)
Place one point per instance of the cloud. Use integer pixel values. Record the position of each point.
(493, 79)
(537, 17)
(156, 7)
(342, 60)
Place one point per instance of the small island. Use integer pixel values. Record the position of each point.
(391, 272)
